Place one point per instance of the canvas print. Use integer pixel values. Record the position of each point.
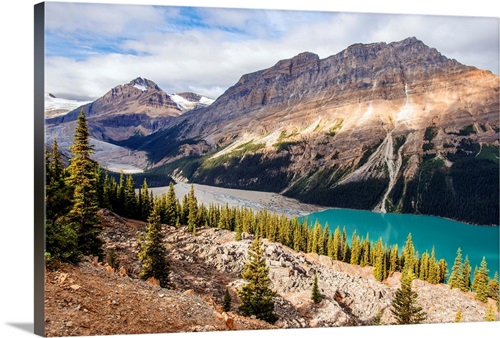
(217, 169)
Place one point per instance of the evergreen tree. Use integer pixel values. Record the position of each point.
(192, 213)
(424, 267)
(467, 272)
(56, 167)
(408, 252)
(346, 252)
(458, 316)
(433, 269)
(238, 232)
(256, 297)
(58, 194)
(337, 245)
(171, 212)
(297, 238)
(120, 203)
(85, 201)
(490, 315)
(316, 237)
(377, 320)
(61, 241)
(456, 279)
(404, 304)
(316, 294)
(493, 287)
(367, 251)
(130, 201)
(355, 248)
(443, 270)
(481, 280)
(153, 252)
(146, 205)
(226, 307)
(393, 259)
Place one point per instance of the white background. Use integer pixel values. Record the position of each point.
(16, 179)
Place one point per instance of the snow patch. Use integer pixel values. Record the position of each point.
(185, 104)
(206, 100)
(181, 102)
(62, 105)
(141, 87)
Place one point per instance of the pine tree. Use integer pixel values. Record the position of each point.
(61, 241)
(256, 297)
(315, 293)
(316, 237)
(433, 269)
(458, 316)
(120, 203)
(145, 201)
(377, 320)
(153, 252)
(192, 205)
(58, 194)
(355, 248)
(393, 259)
(490, 315)
(346, 251)
(408, 253)
(481, 280)
(83, 179)
(456, 279)
(112, 259)
(226, 307)
(404, 304)
(379, 258)
(56, 167)
(171, 212)
(443, 270)
(337, 245)
(493, 287)
(467, 272)
(424, 267)
(130, 201)
(367, 251)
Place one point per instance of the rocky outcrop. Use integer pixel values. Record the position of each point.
(92, 298)
(211, 261)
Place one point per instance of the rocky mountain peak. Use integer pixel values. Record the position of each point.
(190, 96)
(143, 84)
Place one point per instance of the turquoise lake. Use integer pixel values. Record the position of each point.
(427, 231)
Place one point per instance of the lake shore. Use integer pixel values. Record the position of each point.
(255, 200)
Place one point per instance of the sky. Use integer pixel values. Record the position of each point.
(92, 47)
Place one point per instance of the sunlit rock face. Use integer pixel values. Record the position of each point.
(372, 111)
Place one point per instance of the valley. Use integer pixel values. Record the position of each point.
(382, 126)
(255, 200)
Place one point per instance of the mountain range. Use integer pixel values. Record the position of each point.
(390, 127)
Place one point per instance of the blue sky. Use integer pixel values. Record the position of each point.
(92, 47)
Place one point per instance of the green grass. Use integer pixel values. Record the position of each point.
(280, 146)
(430, 133)
(489, 153)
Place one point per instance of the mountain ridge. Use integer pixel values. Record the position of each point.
(356, 129)
(371, 115)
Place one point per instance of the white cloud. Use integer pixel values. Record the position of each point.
(211, 52)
